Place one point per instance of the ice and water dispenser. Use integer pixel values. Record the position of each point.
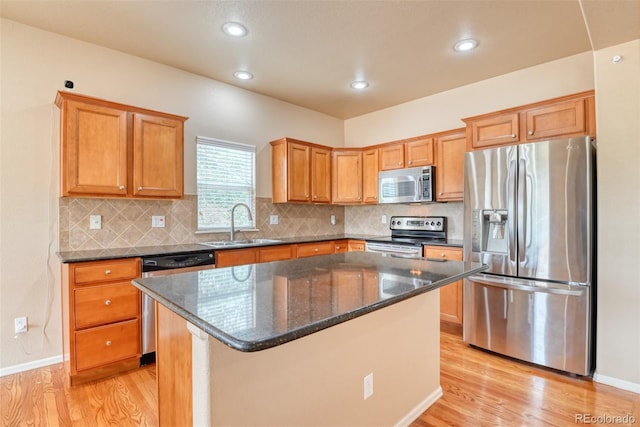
(490, 231)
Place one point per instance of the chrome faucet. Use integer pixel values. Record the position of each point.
(232, 234)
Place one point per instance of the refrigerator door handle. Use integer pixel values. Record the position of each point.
(511, 202)
(520, 286)
(522, 215)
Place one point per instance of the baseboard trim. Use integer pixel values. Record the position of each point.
(617, 383)
(420, 408)
(30, 365)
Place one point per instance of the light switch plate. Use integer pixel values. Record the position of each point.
(333, 219)
(95, 222)
(383, 219)
(273, 219)
(157, 221)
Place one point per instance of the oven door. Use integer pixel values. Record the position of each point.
(404, 251)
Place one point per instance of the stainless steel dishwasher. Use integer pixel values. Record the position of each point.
(161, 265)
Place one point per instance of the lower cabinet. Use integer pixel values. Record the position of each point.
(101, 318)
(451, 294)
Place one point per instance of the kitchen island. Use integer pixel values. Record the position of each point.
(290, 343)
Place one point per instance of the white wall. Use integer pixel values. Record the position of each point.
(445, 110)
(618, 124)
(34, 66)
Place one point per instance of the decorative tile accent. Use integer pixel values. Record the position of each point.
(127, 223)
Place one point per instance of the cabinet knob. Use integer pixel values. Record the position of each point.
(375, 197)
(410, 162)
(140, 188)
(108, 343)
(530, 132)
(440, 194)
(400, 163)
(107, 302)
(315, 250)
(107, 272)
(513, 135)
(443, 255)
(122, 187)
(315, 197)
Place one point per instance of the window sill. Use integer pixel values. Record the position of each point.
(225, 230)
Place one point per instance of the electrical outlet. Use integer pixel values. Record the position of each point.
(20, 325)
(383, 219)
(157, 221)
(333, 220)
(273, 219)
(95, 222)
(368, 386)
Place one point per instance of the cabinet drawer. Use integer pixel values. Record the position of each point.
(91, 272)
(313, 249)
(356, 246)
(341, 246)
(106, 344)
(97, 305)
(276, 253)
(454, 254)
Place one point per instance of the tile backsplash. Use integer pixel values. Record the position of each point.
(127, 223)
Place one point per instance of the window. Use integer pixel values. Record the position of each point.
(225, 176)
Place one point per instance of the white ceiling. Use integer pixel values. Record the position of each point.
(308, 52)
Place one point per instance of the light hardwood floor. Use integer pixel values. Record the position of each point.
(480, 389)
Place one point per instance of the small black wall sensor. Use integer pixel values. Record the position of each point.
(68, 84)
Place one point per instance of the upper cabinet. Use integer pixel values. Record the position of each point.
(347, 176)
(407, 153)
(370, 160)
(450, 148)
(567, 116)
(301, 171)
(115, 150)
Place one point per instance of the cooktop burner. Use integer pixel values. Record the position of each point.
(416, 230)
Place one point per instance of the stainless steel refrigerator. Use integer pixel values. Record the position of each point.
(529, 215)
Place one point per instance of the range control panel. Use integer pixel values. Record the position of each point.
(418, 223)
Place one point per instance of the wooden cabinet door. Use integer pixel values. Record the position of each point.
(451, 294)
(495, 130)
(450, 151)
(347, 287)
(298, 161)
(340, 246)
(560, 119)
(392, 156)
(94, 150)
(231, 257)
(320, 175)
(370, 176)
(347, 177)
(419, 152)
(157, 156)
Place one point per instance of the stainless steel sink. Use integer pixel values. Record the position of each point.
(248, 242)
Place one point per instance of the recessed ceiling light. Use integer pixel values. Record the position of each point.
(234, 29)
(243, 75)
(359, 84)
(465, 45)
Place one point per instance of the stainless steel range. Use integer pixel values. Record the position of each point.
(408, 234)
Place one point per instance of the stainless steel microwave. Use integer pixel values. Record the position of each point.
(411, 185)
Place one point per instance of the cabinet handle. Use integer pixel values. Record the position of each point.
(107, 272)
(440, 194)
(443, 255)
(399, 163)
(530, 132)
(410, 162)
(122, 187)
(375, 197)
(107, 302)
(140, 188)
(108, 343)
(315, 197)
(513, 135)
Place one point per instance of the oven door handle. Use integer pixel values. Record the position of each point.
(395, 251)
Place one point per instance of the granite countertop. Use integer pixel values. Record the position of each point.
(140, 251)
(259, 306)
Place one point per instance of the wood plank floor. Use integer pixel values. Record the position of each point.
(480, 389)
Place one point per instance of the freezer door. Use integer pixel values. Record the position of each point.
(538, 322)
(490, 208)
(555, 210)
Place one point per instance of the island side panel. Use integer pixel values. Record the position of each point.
(173, 368)
(318, 379)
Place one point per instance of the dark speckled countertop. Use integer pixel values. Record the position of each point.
(133, 252)
(259, 306)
